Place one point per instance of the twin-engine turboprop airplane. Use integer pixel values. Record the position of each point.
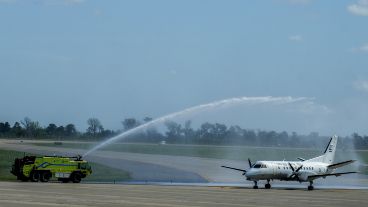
(302, 171)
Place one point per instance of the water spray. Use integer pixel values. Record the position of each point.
(201, 108)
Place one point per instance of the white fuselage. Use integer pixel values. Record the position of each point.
(281, 170)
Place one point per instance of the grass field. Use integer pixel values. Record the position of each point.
(6, 161)
(100, 172)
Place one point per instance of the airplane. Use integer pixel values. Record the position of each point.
(302, 171)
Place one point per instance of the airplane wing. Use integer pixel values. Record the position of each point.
(331, 174)
(340, 164)
(234, 168)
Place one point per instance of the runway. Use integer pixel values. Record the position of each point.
(82, 195)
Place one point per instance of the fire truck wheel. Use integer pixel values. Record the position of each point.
(45, 176)
(35, 176)
(76, 177)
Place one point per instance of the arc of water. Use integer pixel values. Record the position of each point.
(200, 108)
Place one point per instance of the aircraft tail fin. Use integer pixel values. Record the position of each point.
(329, 153)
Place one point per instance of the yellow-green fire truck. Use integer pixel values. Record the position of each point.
(42, 169)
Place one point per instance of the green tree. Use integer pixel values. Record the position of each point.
(188, 132)
(60, 131)
(204, 133)
(218, 133)
(94, 126)
(174, 132)
(32, 128)
(130, 123)
(51, 130)
(70, 130)
(250, 137)
(4, 128)
(234, 135)
(17, 130)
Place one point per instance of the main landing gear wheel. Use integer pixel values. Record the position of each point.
(310, 187)
(268, 185)
(255, 185)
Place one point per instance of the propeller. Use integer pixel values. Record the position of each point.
(250, 165)
(233, 168)
(244, 171)
(295, 172)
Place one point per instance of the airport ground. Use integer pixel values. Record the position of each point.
(82, 195)
(349, 191)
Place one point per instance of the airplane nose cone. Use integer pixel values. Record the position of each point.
(250, 173)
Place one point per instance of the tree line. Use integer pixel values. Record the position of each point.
(176, 133)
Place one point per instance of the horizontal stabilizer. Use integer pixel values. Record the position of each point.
(332, 174)
(234, 168)
(340, 164)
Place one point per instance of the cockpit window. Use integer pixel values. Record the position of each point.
(257, 166)
(82, 165)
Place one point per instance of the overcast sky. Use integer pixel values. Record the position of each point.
(65, 61)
